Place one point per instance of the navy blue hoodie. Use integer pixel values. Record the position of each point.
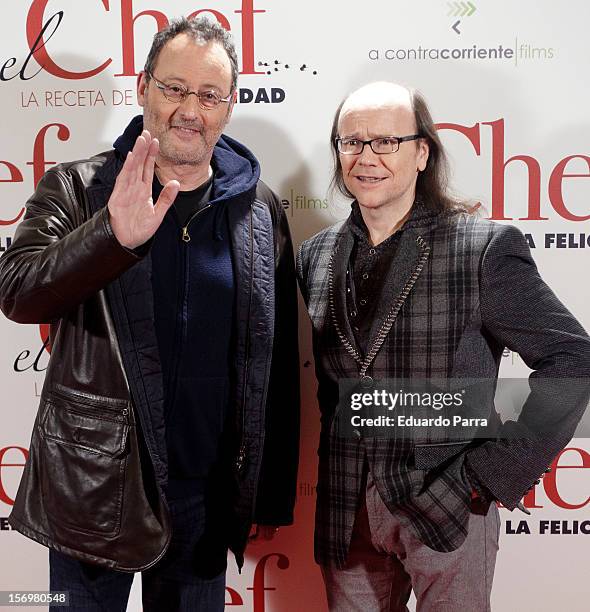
(194, 296)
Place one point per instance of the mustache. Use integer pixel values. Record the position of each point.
(189, 126)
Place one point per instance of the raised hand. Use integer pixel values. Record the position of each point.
(133, 215)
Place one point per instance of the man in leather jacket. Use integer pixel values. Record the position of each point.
(168, 423)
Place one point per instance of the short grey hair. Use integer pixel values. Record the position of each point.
(202, 30)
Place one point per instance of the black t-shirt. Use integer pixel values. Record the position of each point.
(187, 203)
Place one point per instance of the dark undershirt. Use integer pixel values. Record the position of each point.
(188, 202)
(367, 270)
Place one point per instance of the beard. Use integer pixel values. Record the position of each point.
(180, 156)
(173, 150)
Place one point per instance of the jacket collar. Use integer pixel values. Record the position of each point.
(420, 216)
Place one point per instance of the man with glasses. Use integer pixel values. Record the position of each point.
(168, 422)
(414, 286)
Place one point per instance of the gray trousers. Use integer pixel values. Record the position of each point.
(386, 561)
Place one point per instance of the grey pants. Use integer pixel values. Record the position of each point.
(386, 561)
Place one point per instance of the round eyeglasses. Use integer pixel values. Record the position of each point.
(174, 92)
(380, 146)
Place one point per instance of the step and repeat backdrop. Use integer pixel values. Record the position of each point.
(508, 87)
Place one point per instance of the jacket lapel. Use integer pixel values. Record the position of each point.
(401, 276)
(337, 291)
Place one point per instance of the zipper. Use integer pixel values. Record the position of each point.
(242, 452)
(88, 401)
(119, 416)
(112, 415)
(179, 331)
(185, 236)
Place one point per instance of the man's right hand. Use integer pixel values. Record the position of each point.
(133, 215)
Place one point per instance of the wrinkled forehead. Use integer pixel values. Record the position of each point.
(376, 120)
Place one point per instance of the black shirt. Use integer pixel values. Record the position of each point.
(367, 269)
(188, 202)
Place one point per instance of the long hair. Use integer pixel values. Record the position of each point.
(432, 187)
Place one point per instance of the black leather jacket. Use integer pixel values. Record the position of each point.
(93, 484)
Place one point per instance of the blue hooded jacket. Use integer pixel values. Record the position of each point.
(194, 309)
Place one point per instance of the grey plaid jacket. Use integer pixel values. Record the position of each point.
(460, 289)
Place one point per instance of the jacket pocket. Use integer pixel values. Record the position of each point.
(430, 456)
(84, 455)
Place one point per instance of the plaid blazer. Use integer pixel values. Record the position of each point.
(460, 289)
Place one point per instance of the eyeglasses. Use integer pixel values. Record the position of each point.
(380, 146)
(177, 93)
